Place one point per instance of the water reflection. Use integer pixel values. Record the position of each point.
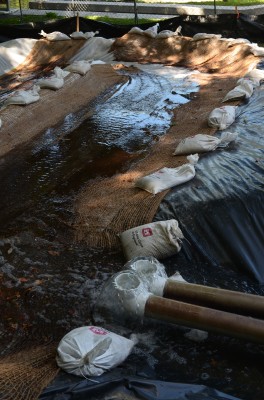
(66, 156)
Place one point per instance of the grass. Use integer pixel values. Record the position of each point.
(42, 18)
(122, 21)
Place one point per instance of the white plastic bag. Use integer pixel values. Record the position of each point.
(24, 97)
(79, 67)
(201, 143)
(166, 178)
(54, 36)
(222, 117)
(91, 351)
(158, 239)
(242, 91)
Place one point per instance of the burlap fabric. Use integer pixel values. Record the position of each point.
(208, 55)
(25, 373)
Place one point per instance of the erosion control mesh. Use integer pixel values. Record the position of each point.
(121, 205)
(25, 373)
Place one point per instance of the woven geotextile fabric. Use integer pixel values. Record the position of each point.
(108, 206)
(25, 373)
(20, 124)
(207, 55)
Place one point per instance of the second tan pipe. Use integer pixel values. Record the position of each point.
(194, 316)
(221, 299)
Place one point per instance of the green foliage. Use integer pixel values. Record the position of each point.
(6, 19)
(14, 20)
(122, 21)
(51, 15)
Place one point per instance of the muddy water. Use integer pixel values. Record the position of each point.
(50, 284)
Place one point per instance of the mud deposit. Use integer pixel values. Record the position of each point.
(50, 284)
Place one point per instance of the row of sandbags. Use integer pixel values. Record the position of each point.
(164, 238)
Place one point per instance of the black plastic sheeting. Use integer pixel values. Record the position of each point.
(127, 388)
(229, 25)
(221, 210)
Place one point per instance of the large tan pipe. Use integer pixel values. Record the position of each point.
(137, 301)
(194, 316)
(154, 275)
(221, 299)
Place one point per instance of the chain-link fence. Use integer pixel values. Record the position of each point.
(70, 8)
(121, 8)
(138, 11)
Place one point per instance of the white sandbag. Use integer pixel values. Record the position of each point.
(222, 117)
(78, 36)
(165, 34)
(243, 91)
(227, 137)
(166, 178)
(83, 36)
(152, 31)
(158, 239)
(79, 67)
(256, 50)
(255, 74)
(233, 42)
(97, 62)
(60, 73)
(24, 97)
(201, 143)
(136, 30)
(254, 82)
(202, 36)
(91, 351)
(54, 36)
(53, 82)
(0, 123)
(197, 144)
(178, 30)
